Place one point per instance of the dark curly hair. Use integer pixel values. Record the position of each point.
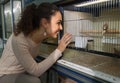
(32, 15)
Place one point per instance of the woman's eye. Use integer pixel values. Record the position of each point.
(59, 23)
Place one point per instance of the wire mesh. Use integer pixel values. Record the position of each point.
(94, 25)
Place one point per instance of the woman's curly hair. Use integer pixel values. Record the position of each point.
(32, 15)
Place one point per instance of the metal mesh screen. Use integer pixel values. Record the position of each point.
(95, 25)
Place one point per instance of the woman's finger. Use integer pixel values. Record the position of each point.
(70, 39)
(67, 37)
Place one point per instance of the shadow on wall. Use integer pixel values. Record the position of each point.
(1, 46)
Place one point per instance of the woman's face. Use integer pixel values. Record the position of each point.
(54, 26)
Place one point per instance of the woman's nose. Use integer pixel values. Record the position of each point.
(61, 27)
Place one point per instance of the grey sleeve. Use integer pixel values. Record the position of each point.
(21, 51)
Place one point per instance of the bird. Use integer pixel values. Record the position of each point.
(105, 28)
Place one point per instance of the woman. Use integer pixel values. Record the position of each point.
(17, 64)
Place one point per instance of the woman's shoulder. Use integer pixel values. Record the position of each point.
(20, 38)
(20, 35)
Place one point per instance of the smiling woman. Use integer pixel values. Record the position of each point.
(17, 64)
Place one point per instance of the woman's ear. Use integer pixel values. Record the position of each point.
(44, 22)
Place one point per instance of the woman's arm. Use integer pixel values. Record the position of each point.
(21, 51)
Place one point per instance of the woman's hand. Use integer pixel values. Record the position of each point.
(66, 39)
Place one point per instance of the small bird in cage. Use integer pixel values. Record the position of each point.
(105, 28)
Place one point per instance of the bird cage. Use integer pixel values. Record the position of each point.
(94, 25)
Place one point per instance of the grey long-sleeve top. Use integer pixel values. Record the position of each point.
(18, 57)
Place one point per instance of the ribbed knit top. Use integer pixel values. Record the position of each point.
(19, 54)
